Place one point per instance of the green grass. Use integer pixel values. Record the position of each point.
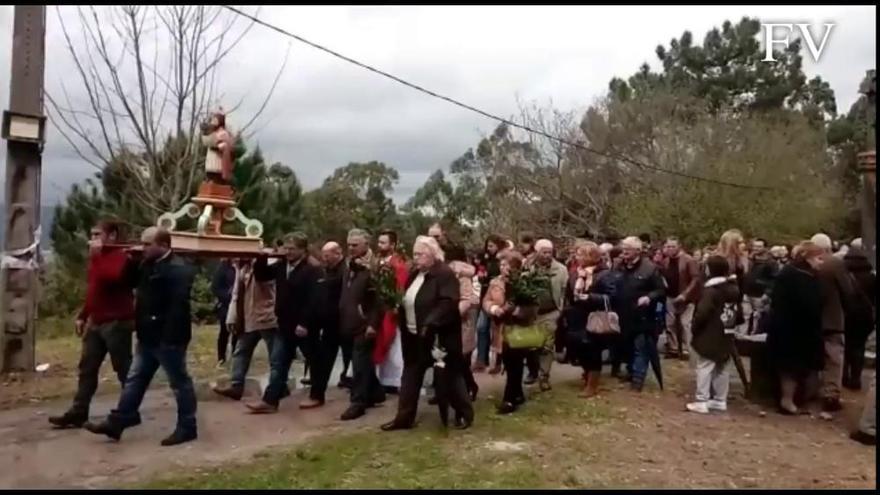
(551, 430)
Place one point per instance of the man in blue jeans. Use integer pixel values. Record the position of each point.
(252, 317)
(164, 329)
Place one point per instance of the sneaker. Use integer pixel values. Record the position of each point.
(68, 420)
(717, 405)
(221, 364)
(698, 407)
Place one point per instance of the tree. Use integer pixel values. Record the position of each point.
(848, 136)
(356, 195)
(270, 194)
(727, 70)
(780, 149)
(146, 77)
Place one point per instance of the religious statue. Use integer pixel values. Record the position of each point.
(218, 160)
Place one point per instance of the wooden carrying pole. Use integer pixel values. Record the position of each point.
(18, 307)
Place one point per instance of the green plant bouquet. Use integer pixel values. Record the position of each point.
(386, 286)
(524, 291)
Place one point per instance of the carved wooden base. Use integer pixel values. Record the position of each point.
(216, 245)
(213, 205)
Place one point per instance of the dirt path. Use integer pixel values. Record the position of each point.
(654, 444)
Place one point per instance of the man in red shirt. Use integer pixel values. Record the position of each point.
(105, 323)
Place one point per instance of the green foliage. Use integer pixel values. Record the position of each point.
(386, 286)
(62, 291)
(526, 288)
(781, 150)
(271, 194)
(202, 299)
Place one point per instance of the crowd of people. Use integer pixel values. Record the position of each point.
(511, 308)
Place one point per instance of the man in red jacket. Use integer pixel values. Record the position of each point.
(105, 323)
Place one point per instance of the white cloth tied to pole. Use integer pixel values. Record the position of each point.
(14, 259)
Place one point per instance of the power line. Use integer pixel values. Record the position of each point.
(490, 115)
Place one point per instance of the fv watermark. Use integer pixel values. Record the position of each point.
(788, 28)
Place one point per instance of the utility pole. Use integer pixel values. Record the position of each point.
(867, 168)
(23, 128)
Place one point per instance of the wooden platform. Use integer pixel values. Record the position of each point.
(225, 246)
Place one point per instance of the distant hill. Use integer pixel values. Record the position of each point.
(47, 216)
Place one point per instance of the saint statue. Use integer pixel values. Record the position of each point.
(218, 160)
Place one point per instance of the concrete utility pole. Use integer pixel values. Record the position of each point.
(23, 128)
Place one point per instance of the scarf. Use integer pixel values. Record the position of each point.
(584, 282)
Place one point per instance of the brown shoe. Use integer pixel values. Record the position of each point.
(478, 368)
(495, 369)
(261, 408)
(311, 404)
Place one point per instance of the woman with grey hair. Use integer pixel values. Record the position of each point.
(430, 329)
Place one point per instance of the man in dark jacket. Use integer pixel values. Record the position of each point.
(164, 328)
(221, 286)
(105, 323)
(360, 315)
(860, 316)
(323, 320)
(759, 282)
(639, 289)
(837, 290)
(295, 282)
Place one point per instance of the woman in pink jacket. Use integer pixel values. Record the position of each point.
(468, 306)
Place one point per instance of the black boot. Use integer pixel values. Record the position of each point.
(353, 412)
(68, 420)
(179, 437)
(111, 430)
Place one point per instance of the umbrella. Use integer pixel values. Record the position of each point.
(654, 357)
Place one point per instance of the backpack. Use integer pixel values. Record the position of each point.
(728, 317)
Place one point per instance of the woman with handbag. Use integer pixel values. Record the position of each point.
(430, 330)
(515, 324)
(591, 323)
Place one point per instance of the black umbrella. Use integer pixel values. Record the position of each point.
(654, 357)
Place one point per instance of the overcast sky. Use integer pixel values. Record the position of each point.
(326, 113)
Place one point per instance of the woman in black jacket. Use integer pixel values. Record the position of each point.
(430, 329)
(794, 339)
(590, 288)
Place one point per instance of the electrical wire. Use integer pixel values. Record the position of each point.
(484, 113)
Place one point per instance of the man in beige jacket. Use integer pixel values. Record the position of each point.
(252, 317)
(549, 310)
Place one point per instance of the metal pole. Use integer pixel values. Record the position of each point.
(18, 307)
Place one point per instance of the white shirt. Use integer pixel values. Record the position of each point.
(409, 302)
